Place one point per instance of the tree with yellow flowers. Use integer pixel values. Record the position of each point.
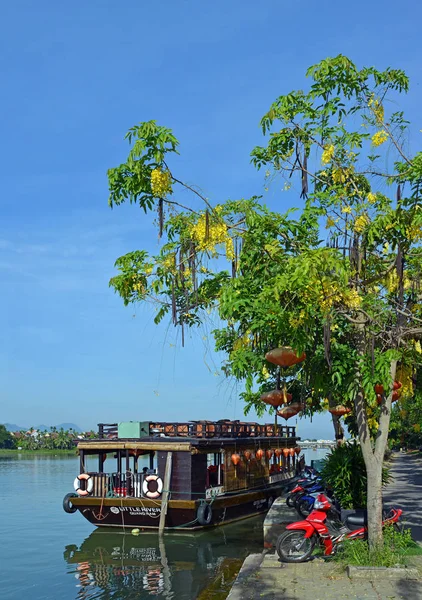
(338, 278)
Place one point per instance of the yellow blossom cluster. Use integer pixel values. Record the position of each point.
(137, 285)
(160, 183)
(330, 223)
(217, 234)
(360, 223)
(404, 374)
(392, 282)
(373, 424)
(351, 299)
(346, 210)
(242, 342)
(328, 153)
(265, 373)
(415, 233)
(371, 198)
(169, 261)
(379, 138)
(297, 321)
(339, 175)
(418, 347)
(377, 108)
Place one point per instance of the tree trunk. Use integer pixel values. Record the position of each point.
(374, 502)
(338, 430)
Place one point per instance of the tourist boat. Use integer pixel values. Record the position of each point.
(182, 475)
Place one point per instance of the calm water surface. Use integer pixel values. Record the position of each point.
(48, 554)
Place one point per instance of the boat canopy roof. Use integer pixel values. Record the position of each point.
(186, 436)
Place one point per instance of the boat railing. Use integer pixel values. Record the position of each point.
(206, 429)
(111, 485)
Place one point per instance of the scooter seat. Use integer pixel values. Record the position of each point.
(356, 520)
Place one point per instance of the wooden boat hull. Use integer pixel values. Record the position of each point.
(143, 513)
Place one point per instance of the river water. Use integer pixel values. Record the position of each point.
(47, 554)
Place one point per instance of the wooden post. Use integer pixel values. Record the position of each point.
(165, 499)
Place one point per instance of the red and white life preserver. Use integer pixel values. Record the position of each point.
(152, 486)
(89, 484)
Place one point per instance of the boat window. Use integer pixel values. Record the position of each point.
(215, 469)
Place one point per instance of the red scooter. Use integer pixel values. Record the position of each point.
(297, 543)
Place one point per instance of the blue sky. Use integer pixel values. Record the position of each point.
(75, 77)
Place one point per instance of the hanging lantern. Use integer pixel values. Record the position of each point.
(286, 452)
(278, 452)
(269, 453)
(395, 396)
(298, 450)
(340, 410)
(235, 459)
(259, 454)
(284, 357)
(276, 397)
(379, 389)
(247, 454)
(292, 451)
(290, 411)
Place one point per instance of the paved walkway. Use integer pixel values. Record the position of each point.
(268, 579)
(405, 491)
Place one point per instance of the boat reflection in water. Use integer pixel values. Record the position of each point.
(110, 565)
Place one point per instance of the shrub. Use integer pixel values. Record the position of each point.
(344, 472)
(392, 553)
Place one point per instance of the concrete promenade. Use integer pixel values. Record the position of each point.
(405, 490)
(263, 577)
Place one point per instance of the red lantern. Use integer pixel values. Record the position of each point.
(259, 454)
(286, 452)
(340, 410)
(247, 454)
(269, 454)
(276, 397)
(290, 411)
(235, 459)
(278, 452)
(379, 389)
(297, 450)
(284, 356)
(291, 451)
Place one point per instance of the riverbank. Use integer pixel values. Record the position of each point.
(56, 452)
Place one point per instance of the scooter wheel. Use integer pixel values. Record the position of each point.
(294, 547)
(304, 507)
(290, 500)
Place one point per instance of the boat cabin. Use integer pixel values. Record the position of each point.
(208, 459)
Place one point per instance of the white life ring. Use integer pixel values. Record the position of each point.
(154, 490)
(89, 484)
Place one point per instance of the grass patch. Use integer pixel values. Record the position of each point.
(397, 546)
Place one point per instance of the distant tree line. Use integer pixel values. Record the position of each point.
(33, 439)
